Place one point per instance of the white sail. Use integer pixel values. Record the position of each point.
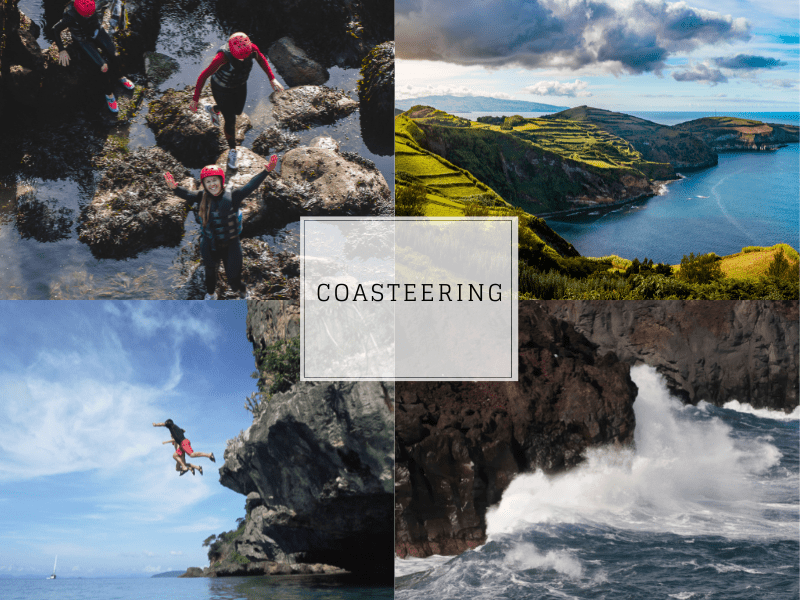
(53, 576)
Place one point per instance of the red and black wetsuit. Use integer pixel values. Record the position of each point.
(219, 237)
(90, 36)
(229, 84)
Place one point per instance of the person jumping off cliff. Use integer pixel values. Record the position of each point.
(183, 447)
(220, 216)
(80, 17)
(229, 72)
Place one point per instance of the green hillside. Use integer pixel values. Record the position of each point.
(656, 143)
(541, 166)
(453, 191)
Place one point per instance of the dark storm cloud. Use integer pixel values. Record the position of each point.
(635, 37)
(701, 73)
(748, 61)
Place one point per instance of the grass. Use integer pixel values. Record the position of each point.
(751, 264)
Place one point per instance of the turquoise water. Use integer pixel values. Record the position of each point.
(749, 199)
(228, 588)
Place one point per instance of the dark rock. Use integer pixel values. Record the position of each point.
(273, 140)
(321, 458)
(41, 219)
(376, 86)
(24, 50)
(140, 35)
(337, 32)
(269, 321)
(337, 186)
(307, 105)
(193, 572)
(715, 350)
(294, 65)
(188, 135)
(269, 275)
(459, 444)
(133, 209)
(159, 67)
(23, 85)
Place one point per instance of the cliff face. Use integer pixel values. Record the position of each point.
(707, 350)
(316, 466)
(459, 444)
(540, 177)
(732, 134)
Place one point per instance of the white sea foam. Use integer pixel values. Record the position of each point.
(685, 476)
(408, 566)
(763, 413)
(527, 556)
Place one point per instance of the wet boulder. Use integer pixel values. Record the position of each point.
(133, 209)
(307, 105)
(294, 64)
(338, 183)
(189, 136)
(376, 99)
(143, 24)
(376, 86)
(274, 140)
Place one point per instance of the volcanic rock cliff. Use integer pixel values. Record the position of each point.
(316, 466)
(459, 444)
(712, 350)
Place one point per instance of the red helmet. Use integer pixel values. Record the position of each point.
(210, 170)
(85, 8)
(240, 45)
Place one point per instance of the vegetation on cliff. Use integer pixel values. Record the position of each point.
(449, 166)
(656, 143)
(731, 133)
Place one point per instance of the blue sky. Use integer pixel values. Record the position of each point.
(634, 55)
(83, 473)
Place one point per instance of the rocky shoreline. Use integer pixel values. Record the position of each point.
(316, 468)
(459, 445)
(132, 211)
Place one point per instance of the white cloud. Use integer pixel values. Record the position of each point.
(151, 569)
(176, 553)
(557, 88)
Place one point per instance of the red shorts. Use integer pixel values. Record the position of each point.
(187, 447)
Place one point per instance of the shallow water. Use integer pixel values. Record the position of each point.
(66, 268)
(227, 588)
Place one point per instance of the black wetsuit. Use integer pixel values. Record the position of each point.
(90, 36)
(219, 238)
(176, 432)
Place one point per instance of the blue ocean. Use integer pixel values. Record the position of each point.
(704, 507)
(749, 199)
(227, 588)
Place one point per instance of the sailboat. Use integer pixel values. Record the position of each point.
(53, 576)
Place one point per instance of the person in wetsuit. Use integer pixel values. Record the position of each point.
(183, 447)
(80, 17)
(220, 216)
(229, 72)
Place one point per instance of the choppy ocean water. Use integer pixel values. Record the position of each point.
(228, 588)
(705, 507)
